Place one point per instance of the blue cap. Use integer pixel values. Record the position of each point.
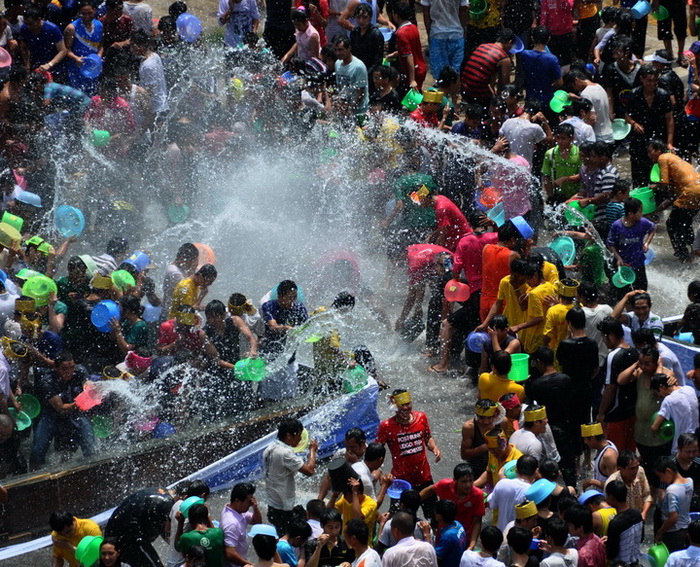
(263, 529)
(540, 490)
(586, 496)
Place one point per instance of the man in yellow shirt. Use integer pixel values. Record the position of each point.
(66, 535)
(192, 290)
(511, 295)
(556, 328)
(530, 331)
(354, 504)
(492, 385)
(500, 452)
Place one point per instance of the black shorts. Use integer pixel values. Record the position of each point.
(466, 318)
(677, 15)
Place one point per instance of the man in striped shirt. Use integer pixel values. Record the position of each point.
(488, 69)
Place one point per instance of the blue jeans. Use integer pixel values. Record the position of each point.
(446, 52)
(50, 425)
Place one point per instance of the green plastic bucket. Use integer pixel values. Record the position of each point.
(593, 264)
(102, 426)
(88, 550)
(354, 379)
(250, 369)
(646, 196)
(100, 138)
(13, 220)
(667, 429)
(621, 129)
(660, 15)
(559, 100)
(412, 99)
(659, 553)
(520, 370)
(588, 212)
(655, 174)
(22, 420)
(123, 280)
(178, 213)
(30, 405)
(624, 276)
(39, 288)
(565, 248)
(477, 9)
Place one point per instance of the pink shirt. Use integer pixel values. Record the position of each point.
(557, 16)
(513, 185)
(591, 552)
(468, 257)
(304, 41)
(451, 218)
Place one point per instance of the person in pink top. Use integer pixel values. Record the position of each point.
(513, 183)
(451, 222)
(558, 17)
(308, 40)
(467, 259)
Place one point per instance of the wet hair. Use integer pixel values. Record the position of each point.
(461, 470)
(474, 112)
(644, 296)
(491, 538)
(686, 439)
(500, 322)
(132, 304)
(241, 491)
(646, 70)
(507, 231)
(33, 12)
(580, 517)
(657, 145)
(545, 355)
(632, 205)
(603, 149)
(299, 528)
(540, 34)
(510, 91)
(315, 508)
(658, 381)
(410, 500)
(549, 469)
(176, 9)
(117, 245)
(447, 509)
(62, 357)
(187, 251)
(215, 307)
(448, 76)
(196, 554)
(505, 35)
(532, 106)
(208, 272)
(142, 39)
(588, 291)
(76, 263)
(519, 539)
(363, 8)
(609, 14)
(625, 458)
(620, 186)
(558, 531)
(564, 130)
(617, 489)
(198, 514)
(650, 351)
(565, 501)
(265, 546)
(113, 3)
(344, 299)
(375, 451)
(523, 267)
(60, 520)
(331, 515)
(403, 522)
(358, 529)
(694, 291)
(386, 72)
(198, 488)
(341, 40)
(576, 317)
(299, 15)
(580, 105)
(285, 287)
(663, 464)
(624, 22)
(501, 362)
(289, 426)
(355, 434)
(526, 465)
(403, 10)
(611, 326)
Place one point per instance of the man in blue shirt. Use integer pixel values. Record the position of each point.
(41, 43)
(450, 538)
(540, 71)
(688, 557)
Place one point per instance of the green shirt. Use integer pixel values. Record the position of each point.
(414, 215)
(65, 287)
(212, 540)
(135, 333)
(555, 166)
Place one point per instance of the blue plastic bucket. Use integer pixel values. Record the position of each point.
(388, 33)
(139, 260)
(640, 9)
(475, 341)
(497, 214)
(103, 313)
(92, 66)
(69, 221)
(397, 487)
(525, 230)
(649, 256)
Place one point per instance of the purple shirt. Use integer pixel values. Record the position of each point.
(234, 527)
(629, 241)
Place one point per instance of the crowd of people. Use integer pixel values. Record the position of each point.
(525, 129)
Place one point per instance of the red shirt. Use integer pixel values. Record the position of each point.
(407, 444)
(467, 509)
(167, 335)
(427, 120)
(408, 43)
(117, 30)
(420, 261)
(449, 216)
(469, 257)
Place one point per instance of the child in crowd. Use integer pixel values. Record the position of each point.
(615, 209)
(491, 540)
(297, 535)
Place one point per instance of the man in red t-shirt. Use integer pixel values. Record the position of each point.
(408, 436)
(468, 498)
(452, 225)
(408, 47)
